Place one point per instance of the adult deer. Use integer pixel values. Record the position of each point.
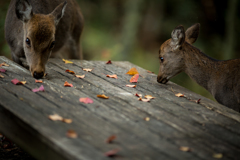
(220, 78)
(39, 29)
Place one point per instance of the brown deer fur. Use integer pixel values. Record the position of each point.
(220, 78)
(52, 27)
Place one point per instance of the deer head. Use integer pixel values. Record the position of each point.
(171, 52)
(39, 34)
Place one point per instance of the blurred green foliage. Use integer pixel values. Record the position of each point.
(133, 30)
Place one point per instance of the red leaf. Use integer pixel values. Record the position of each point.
(66, 84)
(3, 70)
(109, 62)
(111, 153)
(134, 79)
(138, 95)
(40, 89)
(112, 76)
(111, 138)
(69, 71)
(86, 100)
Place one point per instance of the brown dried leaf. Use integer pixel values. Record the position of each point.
(149, 97)
(132, 71)
(179, 95)
(184, 149)
(111, 138)
(1, 76)
(109, 62)
(71, 134)
(218, 155)
(150, 72)
(66, 84)
(87, 69)
(67, 121)
(4, 64)
(80, 76)
(102, 96)
(131, 86)
(112, 76)
(147, 119)
(138, 95)
(55, 117)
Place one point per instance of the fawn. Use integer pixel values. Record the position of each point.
(220, 78)
(39, 29)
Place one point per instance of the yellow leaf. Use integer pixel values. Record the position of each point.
(218, 155)
(67, 61)
(102, 96)
(132, 71)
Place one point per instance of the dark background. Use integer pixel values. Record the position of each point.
(133, 30)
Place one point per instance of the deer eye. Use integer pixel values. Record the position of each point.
(162, 59)
(28, 42)
(52, 45)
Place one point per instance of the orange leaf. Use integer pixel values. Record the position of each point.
(71, 134)
(110, 139)
(69, 71)
(109, 62)
(67, 121)
(55, 117)
(66, 61)
(179, 95)
(138, 95)
(131, 86)
(4, 64)
(87, 69)
(112, 76)
(144, 100)
(102, 96)
(86, 100)
(38, 81)
(1, 76)
(149, 97)
(134, 79)
(66, 84)
(80, 76)
(184, 149)
(132, 71)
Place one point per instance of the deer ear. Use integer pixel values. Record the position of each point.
(192, 33)
(23, 10)
(178, 37)
(59, 12)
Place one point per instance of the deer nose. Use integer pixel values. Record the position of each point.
(38, 75)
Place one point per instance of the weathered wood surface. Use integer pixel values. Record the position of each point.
(205, 128)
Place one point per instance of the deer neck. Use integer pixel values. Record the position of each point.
(200, 67)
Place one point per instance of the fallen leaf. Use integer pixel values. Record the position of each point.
(132, 71)
(138, 95)
(144, 100)
(149, 97)
(86, 100)
(184, 149)
(111, 153)
(131, 86)
(111, 138)
(69, 71)
(4, 64)
(38, 81)
(66, 84)
(80, 76)
(150, 72)
(55, 117)
(102, 96)
(179, 95)
(67, 121)
(71, 134)
(66, 61)
(147, 119)
(196, 101)
(1, 76)
(134, 79)
(109, 62)
(218, 155)
(112, 76)
(40, 89)
(17, 82)
(3, 70)
(87, 69)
